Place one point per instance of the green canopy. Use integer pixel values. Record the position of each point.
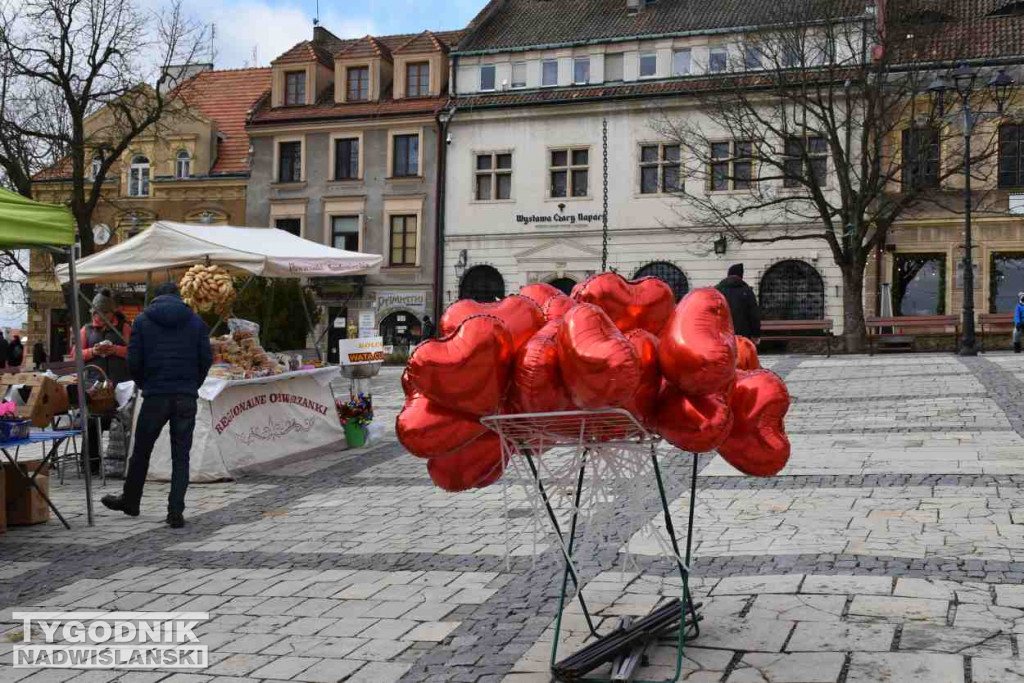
(25, 224)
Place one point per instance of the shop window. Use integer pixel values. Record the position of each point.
(667, 273)
(1006, 281)
(182, 165)
(403, 241)
(482, 283)
(563, 284)
(138, 177)
(613, 68)
(406, 161)
(1011, 155)
(295, 87)
(549, 72)
(401, 329)
(289, 168)
(732, 165)
(346, 159)
(493, 176)
(487, 77)
(681, 62)
(569, 172)
(292, 225)
(815, 151)
(417, 79)
(921, 157)
(792, 290)
(357, 86)
(659, 168)
(919, 284)
(345, 232)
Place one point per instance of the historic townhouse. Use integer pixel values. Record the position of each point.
(193, 166)
(545, 100)
(345, 148)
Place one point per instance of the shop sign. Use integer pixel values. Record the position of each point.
(361, 351)
(339, 323)
(559, 218)
(415, 302)
(367, 324)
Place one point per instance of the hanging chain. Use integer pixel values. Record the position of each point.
(604, 216)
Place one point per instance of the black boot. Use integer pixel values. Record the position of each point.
(1016, 347)
(176, 520)
(112, 502)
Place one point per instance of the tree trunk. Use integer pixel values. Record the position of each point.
(854, 331)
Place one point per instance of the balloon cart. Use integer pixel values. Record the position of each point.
(573, 465)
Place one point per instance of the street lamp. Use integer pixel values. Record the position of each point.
(963, 84)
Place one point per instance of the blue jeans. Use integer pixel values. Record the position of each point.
(180, 411)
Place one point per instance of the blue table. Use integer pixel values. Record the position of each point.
(56, 437)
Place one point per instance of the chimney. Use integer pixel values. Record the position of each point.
(633, 7)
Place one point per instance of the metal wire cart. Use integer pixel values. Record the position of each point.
(573, 465)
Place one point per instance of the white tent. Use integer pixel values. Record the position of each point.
(164, 249)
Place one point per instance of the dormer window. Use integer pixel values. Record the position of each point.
(487, 77)
(182, 164)
(294, 88)
(357, 86)
(417, 79)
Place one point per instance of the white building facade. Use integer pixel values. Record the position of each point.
(539, 112)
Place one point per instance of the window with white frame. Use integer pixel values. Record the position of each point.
(357, 84)
(345, 232)
(581, 70)
(493, 176)
(809, 153)
(648, 65)
(406, 155)
(487, 77)
(569, 170)
(732, 165)
(613, 71)
(718, 59)
(417, 79)
(294, 87)
(97, 163)
(346, 159)
(681, 62)
(519, 75)
(138, 177)
(752, 57)
(182, 164)
(659, 168)
(792, 50)
(549, 72)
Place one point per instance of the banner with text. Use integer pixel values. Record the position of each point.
(361, 351)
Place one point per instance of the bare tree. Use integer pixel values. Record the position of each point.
(820, 129)
(67, 61)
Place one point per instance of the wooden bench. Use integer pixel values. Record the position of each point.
(993, 322)
(911, 327)
(798, 330)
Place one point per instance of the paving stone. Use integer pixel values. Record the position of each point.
(987, 670)
(330, 670)
(742, 634)
(818, 667)
(841, 637)
(432, 631)
(379, 672)
(847, 585)
(251, 643)
(1010, 596)
(751, 585)
(801, 608)
(896, 667)
(285, 667)
(964, 641)
(899, 608)
(344, 628)
(239, 665)
(377, 650)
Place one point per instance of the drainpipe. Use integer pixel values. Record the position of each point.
(442, 119)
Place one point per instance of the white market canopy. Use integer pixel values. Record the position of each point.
(166, 247)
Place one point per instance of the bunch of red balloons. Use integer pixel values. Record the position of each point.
(679, 369)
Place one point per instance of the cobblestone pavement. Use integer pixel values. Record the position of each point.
(889, 549)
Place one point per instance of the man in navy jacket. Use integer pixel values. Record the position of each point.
(168, 357)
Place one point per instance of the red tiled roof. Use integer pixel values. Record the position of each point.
(58, 171)
(306, 51)
(331, 110)
(367, 46)
(336, 45)
(960, 29)
(227, 97)
(424, 42)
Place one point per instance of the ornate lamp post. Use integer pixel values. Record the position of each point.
(963, 84)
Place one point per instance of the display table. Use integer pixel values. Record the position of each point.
(255, 424)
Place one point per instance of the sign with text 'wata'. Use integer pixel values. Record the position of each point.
(361, 351)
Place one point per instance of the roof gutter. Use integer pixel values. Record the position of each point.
(651, 36)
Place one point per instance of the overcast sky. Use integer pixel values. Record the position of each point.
(273, 26)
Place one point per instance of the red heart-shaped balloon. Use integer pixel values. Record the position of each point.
(467, 371)
(645, 399)
(697, 424)
(698, 347)
(599, 365)
(540, 292)
(521, 315)
(758, 444)
(556, 307)
(646, 303)
(429, 430)
(475, 465)
(537, 385)
(746, 354)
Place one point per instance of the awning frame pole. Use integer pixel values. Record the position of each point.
(83, 407)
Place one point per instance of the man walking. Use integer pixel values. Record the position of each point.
(168, 357)
(746, 315)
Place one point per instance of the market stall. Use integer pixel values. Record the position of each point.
(256, 409)
(25, 224)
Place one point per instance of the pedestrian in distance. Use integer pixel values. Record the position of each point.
(38, 356)
(1018, 322)
(169, 357)
(428, 328)
(15, 352)
(3, 351)
(746, 315)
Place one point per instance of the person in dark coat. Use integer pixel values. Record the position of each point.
(38, 356)
(428, 328)
(15, 353)
(746, 315)
(3, 351)
(168, 357)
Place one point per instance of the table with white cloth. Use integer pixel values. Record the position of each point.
(253, 425)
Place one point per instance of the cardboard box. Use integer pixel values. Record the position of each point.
(44, 400)
(23, 504)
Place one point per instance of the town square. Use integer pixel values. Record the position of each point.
(512, 341)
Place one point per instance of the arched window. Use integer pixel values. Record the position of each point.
(401, 329)
(482, 283)
(792, 290)
(667, 273)
(565, 284)
(182, 165)
(97, 162)
(138, 177)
